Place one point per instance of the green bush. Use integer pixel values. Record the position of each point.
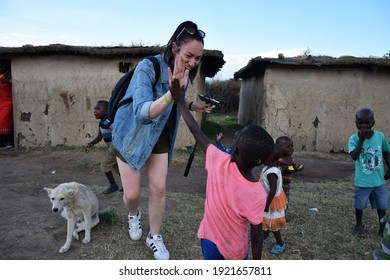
(227, 93)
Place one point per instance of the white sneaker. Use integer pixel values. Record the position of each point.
(156, 243)
(135, 229)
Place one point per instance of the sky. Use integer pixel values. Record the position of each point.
(240, 29)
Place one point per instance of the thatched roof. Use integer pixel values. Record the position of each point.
(212, 59)
(258, 65)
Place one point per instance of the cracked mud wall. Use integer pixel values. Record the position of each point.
(54, 96)
(315, 106)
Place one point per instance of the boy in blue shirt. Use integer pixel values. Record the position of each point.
(369, 148)
(221, 146)
(104, 133)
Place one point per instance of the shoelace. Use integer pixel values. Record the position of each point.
(159, 243)
(133, 222)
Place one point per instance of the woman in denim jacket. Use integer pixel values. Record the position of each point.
(145, 131)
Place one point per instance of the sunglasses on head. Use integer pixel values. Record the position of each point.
(192, 31)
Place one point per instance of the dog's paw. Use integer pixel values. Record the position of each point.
(75, 235)
(86, 240)
(64, 249)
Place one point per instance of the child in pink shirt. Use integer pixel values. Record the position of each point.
(234, 197)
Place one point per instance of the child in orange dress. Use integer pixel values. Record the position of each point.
(287, 164)
(274, 213)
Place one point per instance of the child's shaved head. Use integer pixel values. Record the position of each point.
(255, 144)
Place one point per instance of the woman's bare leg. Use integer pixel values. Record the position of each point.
(157, 169)
(131, 182)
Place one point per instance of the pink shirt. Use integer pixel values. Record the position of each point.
(232, 202)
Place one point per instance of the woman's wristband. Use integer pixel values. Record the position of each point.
(189, 106)
(169, 102)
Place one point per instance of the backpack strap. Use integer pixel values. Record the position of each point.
(117, 95)
(157, 73)
(157, 70)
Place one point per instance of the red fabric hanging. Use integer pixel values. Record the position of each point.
(6, 116)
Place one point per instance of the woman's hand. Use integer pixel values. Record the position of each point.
(202, 107)
(179, 72)
(178, 79)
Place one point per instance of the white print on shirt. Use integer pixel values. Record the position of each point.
(371, 160)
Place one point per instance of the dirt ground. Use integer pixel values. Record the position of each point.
(30, 230)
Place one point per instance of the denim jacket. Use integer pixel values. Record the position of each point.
(135, 134)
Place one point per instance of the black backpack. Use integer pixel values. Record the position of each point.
(120, 89)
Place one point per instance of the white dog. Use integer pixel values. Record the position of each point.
(79, 205)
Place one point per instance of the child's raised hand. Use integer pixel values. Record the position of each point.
(219, 136)
(176, 90)
(179, 72)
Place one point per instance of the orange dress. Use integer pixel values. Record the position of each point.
(275, 218)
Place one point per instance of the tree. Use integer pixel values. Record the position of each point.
(307, 52)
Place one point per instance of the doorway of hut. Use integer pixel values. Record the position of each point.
(6, 108)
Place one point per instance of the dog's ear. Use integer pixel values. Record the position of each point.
(48, 190)
(71, 192)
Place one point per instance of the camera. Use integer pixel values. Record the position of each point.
(209, 100)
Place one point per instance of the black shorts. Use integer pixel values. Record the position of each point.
(163, 144)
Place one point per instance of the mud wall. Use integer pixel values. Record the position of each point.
(54, 97)
(316, 106)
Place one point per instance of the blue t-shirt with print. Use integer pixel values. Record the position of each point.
(369, 167)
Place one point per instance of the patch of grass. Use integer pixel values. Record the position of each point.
(109, 216)
(183, 215)
(216, 122)
(85, 162)
(322, 235)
